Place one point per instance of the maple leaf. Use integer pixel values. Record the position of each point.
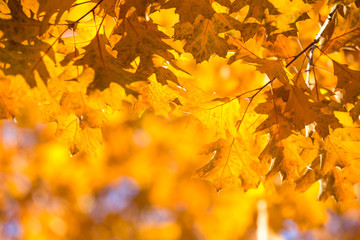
(348, 80)
(128, 8)
(355, 112)
(109, 92)
(250, 48)
(73, 102)
(324, 121)
(217, 114)
(276, 123)
(108, 6)
(107, 68)
(311, 175)
(157, 97)
(256, 8)
(18, 59)
(202, 37)
(280, 48)
(19, 27)
(346, 33)
(14, 93)
(277, 17)
(51, 7)
(112, 95)
(79, 138)
(144, 40)
(285, 156)
(232, 165)
(338, 148)
(22, 46)
(189, 10)
(226, 3)
(298, 103)
(340, 184)
(333, 2)
(290, 13)
(335, 165)
(272, 68)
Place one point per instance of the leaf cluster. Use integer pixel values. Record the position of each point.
(83, 64)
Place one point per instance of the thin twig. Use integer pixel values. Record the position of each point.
(316, 40)
(92, 9)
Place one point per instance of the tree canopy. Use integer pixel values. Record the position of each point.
(179, 119)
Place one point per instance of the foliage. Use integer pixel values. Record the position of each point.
(114, 108)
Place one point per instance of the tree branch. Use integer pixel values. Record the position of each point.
(316, 40)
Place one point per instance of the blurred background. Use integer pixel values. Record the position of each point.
(140, 186)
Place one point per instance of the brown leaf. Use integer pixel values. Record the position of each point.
(311, 175)
(291, 12)
(189, 10)
(348, 80)
(225, 3)
(107, 68)
(355, 112)
(276, 123)
(50, 8)
(202, 37)
(144, 40)
(299, 105)
(285, 156)
(346, 33)
(272, 68)
(19, 59)
(20, 27)
(340, 184)
(256, 8)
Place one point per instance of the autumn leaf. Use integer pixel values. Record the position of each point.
(276, 122)
(19, 27)
(287, 156)
(291, 13)
(247, 48)
(340, 185)
(189, 10)
(17, 64)
(256, 9)
(335, 167)
(105, 65)
(298, 104)
(346, 36)
(80, 138)
(109, 6)
(273, 68)
(355, 112)
(202, 37)
(143, 40)
(348, 80)
(19, 37)
(50, 8)
(225, 3)
(14, 96)
(231, 166)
